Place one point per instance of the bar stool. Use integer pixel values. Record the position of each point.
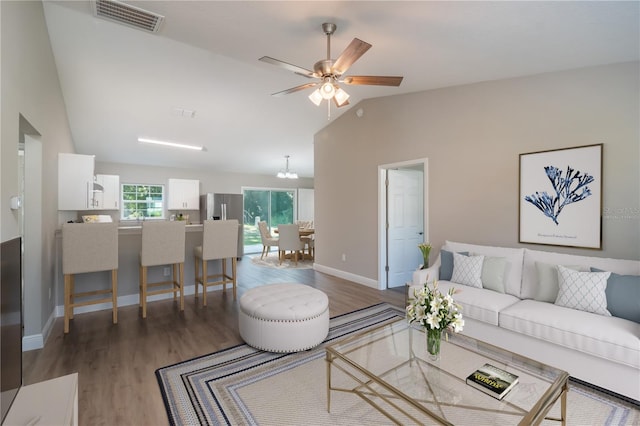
(219, 241)
(89, 247)
(163, 243)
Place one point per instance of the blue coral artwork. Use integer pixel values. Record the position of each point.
(560, 197)
(567, 189)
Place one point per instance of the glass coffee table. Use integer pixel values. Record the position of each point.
(388, 367)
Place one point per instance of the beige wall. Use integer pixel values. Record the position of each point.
(30, 88)
(472, 136)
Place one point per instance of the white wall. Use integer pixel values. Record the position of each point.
(472, 136)
(31, 103)
(210, 180)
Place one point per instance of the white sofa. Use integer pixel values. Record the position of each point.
(602, 350)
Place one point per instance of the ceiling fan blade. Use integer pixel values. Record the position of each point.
(295, 89)
(290, 67)
(352, 53)
(373, 80)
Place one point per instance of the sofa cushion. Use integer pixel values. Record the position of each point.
(493, 270)
(612, 338)
(477, 303)
(514, 257)
(623, 295)
(530, 276)
(467, 270)
(547, 290)
(446, 264)
(583, 290)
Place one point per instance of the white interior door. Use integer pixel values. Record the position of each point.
(405, 210)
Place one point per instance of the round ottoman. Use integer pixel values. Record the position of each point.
(284, 317)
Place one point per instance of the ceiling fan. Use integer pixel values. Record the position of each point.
(329, 72)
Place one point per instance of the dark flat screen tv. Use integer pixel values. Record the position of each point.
(10, 322)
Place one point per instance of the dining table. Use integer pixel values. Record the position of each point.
(304, 232)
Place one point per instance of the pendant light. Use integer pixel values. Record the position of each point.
(286, 173)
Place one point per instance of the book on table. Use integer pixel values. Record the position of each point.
(492, 380)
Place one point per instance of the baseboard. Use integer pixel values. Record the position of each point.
(126, 300)
(32, 342)
(36, 341)
(346, 275)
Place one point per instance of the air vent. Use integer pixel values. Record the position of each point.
(127, 15)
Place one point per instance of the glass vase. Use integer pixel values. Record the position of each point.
(425, 263)
(434, 336)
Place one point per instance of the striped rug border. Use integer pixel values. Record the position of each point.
(182, 396)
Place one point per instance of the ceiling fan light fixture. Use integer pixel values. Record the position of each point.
(341, 97)
(316, 97)
(286, 173)
(327, 90)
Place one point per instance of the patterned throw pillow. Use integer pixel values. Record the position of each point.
(548, 280)
(584, 291)
(446, 264)
(467, 270)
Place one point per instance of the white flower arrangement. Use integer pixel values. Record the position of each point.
(435, 311)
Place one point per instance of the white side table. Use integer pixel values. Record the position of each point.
(52, 402)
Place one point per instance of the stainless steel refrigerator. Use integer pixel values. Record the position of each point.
(222, 207)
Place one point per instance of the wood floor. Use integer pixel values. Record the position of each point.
(116, 363)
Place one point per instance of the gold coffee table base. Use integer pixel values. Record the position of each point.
(391, 373)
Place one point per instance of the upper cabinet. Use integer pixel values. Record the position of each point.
(79, 189)
(184, 194)
(75, 181)
(109, 198)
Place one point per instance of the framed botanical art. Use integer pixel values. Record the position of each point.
(560, 199)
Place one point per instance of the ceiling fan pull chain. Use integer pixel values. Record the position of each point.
(328, 110)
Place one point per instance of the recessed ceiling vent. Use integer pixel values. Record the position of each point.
(127, 15)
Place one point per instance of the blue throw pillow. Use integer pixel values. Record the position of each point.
(446, 264)
(623, 295)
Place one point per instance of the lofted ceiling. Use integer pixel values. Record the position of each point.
(121, 83)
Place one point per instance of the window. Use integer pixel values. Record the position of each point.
(142, 201)
(274, 206)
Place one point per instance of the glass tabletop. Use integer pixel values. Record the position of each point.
(389, 366)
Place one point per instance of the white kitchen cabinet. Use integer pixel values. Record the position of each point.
(75, 181)
(109, 198)
(184, 194)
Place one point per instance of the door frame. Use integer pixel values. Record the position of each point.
(382, 211)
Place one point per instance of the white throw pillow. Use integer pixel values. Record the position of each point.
(493, 273)
(584, 291)
(467, 270)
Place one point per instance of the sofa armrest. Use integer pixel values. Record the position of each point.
(430, 275)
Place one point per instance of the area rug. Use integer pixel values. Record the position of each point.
(272, 261)
(245, 386)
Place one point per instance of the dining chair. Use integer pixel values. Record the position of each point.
(89, 247)
(289, 240)
(310, 245)
(163, 243)
(308, 240)
(219, 241)
(267, 239)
